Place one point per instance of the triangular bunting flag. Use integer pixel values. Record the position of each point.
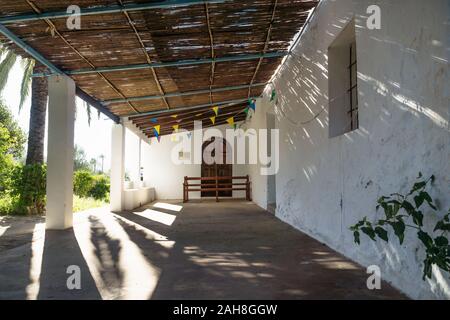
(176, 127)
(189, 135)
(158, 138)
(252, 105)
(216, 110)
(213, 120)
(230, 121)
(272, 96)
(154, 120)
(157, 128)
(174, 116)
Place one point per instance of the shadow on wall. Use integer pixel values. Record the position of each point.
(403, 129)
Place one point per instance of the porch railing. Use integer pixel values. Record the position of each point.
(216, 184)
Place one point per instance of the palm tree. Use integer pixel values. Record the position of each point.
(39, 93)
(102, 157)
(94, 165)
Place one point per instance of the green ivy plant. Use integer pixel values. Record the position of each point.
(406, 211)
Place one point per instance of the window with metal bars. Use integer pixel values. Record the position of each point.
(353, 89)
(343, 83)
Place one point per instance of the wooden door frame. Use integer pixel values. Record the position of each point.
(230, 165)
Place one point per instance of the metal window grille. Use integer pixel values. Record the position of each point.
(353, 89)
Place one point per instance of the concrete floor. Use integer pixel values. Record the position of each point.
(208, 250)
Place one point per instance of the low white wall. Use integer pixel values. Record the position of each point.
(325, 185)
(138, 196)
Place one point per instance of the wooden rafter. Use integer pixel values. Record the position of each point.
(266, 45)
(147, 57)
(53, 28)
(184, 49)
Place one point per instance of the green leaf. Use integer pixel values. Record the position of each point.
(409, 208)
(28, 66)
(356, 236)
(381, 233)
(418, 218)
(426, 269)
(441, 225)
(369, 232)
(418, 200)
(399, 229)
(417, 186)
(428, 199)
(6, 66)
(425, 238)
(441, 241)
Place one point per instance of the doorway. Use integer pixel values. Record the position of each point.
(224, 169)
(271, 180)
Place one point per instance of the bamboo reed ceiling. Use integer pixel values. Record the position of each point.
(200, 31)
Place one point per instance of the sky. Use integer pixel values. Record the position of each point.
(95, 138)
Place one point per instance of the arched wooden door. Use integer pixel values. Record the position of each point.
(223, 169)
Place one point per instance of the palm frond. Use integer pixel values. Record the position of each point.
(88, 109)
(5, 68)
(28, 65)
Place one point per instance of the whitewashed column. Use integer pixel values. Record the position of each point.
(117, 167)
(61, 117)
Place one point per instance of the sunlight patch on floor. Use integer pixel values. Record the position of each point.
(138, 277)
(168, 206)
(157, 216)
(37, 251)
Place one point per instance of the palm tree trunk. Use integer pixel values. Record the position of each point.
(36, 134)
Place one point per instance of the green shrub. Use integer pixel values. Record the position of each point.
(29, 187)
(9, 205)
(83, 181)
(81, 204)
(100, 189)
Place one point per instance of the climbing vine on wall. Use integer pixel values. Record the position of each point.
(405, 212)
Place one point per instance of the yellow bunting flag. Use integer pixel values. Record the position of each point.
(216, 110)
(174, 116)
(231, 121)
(213, 120)
(198, 114)
(157, 128)
(176, 127)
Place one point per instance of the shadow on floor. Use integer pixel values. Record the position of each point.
(202, 250)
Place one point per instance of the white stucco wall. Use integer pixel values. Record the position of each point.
(326, 184)
(167, 177)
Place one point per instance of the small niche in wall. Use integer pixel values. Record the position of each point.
(184, 155)
(343, 83)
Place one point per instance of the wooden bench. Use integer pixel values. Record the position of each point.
(219, 184)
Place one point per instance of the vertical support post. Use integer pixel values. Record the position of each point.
(247, 189)
(141, 178)
(217, 188)
(185, 191)
(61, 118)
(117, 167)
